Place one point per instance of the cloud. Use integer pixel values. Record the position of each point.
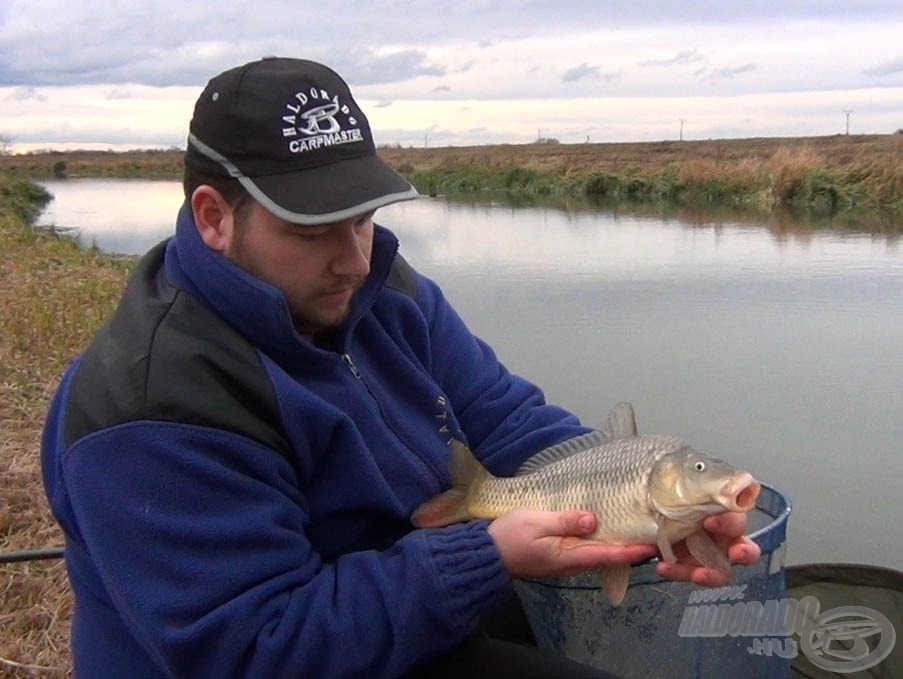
(584, 70)
(731, 72)
(682, 57)
(723, 73)
(157, 43)
(173, 43)
(366, 66)
(151, 59)
(119, 93)
(25, 94)
(887, 68)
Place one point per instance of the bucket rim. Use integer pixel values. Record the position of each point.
(780, 511)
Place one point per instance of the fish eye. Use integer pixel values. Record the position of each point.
(699, 466)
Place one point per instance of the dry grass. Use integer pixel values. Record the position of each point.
(834, 151)
(52, 297)
(847, 170)
(145, 164)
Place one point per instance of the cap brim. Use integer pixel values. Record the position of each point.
(332, 192)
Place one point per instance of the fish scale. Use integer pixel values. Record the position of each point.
(610, 481)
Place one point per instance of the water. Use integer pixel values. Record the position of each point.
(117, 215)
(780, 352)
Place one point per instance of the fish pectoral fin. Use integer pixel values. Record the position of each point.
(614, 581)
(706, 552)
(668, 533)
(451, 506)
(445, 509)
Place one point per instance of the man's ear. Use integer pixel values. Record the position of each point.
(213, 217)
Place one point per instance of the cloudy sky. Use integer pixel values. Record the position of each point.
(113, 74)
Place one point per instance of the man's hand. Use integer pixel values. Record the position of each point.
(727, 530)
(551, 544)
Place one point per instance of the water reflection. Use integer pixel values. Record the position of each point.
(125, 216)
(780, 221)
(543, 243)
(776, 344)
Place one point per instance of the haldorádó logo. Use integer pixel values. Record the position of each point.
(835, 640)
(316, 119)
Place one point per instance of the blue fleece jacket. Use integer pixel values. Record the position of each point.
(237, 501)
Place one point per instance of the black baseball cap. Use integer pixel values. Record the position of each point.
(292, 134)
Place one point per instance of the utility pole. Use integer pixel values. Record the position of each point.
(682, 128)
(848, 121)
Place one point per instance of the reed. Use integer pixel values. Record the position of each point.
(789, 178)
(825, 175)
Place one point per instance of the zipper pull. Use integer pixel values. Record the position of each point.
(346, 359)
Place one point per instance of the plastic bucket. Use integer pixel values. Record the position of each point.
(652, 632)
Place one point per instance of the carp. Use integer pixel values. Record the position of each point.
(643, 489)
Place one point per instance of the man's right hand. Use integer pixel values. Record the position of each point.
(542, 544)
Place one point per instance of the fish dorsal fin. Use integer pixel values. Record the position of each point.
(621, 422)
(562, 450)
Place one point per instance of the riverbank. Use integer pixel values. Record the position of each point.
(53, 296)
(827, 175)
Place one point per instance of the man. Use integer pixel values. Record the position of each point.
(236, 456)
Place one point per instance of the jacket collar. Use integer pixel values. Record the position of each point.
(256, 309)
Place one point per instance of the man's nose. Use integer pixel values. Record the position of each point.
(353, 254)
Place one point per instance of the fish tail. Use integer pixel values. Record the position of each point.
(451, 506)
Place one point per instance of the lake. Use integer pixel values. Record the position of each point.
(779, 349)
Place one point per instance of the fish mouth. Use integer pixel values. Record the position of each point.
(740, 492)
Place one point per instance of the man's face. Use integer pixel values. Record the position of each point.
(317, 268)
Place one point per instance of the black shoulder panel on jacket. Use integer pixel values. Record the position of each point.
(166, 356)
(402, 277)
